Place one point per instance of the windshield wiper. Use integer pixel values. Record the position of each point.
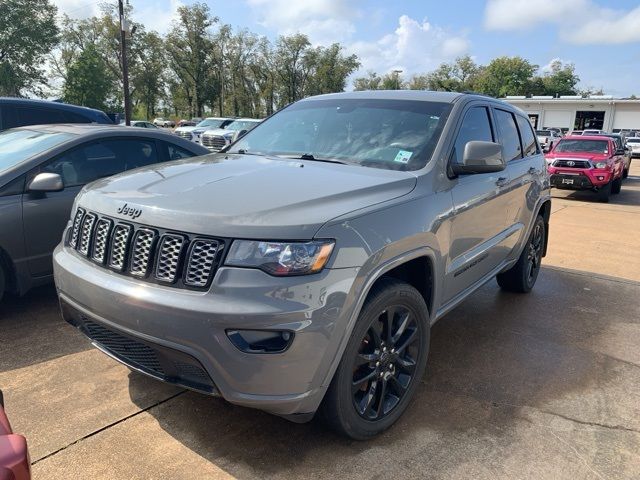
(309, 156)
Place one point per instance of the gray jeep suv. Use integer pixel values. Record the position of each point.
(302, 268)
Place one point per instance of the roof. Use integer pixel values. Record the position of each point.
(47, 103)
(419, 95)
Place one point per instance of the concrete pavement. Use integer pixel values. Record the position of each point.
(545, 385)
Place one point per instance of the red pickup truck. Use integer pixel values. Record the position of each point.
(587, 162)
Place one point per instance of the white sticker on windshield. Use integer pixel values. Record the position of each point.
(403, 156)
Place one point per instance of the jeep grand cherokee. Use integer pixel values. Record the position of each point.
(302, 268)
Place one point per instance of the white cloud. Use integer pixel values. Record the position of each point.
(323, 21)
(156, 17)
(414, 47)
(77, 8)
(581, 22)
(608, 27)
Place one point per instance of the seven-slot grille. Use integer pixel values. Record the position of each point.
(572, 163)
(165, 257)
(214, 142)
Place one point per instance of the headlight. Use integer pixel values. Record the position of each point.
(601, 165)
(281, 258)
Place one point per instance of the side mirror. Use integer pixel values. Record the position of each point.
(46, 182)
(480, 157)
(620, 151)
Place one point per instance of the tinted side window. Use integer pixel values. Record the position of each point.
(475, 126)
(177, 153)
(102, 159)
(508, 135)
(528, 138)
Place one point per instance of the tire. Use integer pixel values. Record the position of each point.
(604, 193)
(377, 365)
(523, 275)
(616, 186)
(625, 173)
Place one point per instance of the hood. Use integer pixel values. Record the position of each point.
(244, 196)
(185, 129)
(219, 131)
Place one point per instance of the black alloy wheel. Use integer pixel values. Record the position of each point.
(385, 363)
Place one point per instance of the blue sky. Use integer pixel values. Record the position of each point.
(602, 38)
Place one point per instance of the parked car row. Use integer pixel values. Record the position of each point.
(215, 133)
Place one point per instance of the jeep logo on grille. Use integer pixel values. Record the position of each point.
(571, 163)
(130, 211)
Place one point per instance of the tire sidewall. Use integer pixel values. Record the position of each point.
(396, 293)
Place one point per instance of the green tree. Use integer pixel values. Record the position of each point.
(292, 69)
(189, 46)
(561, 79)
(371, 82)
(149, 73)
(28, 32)
(331, 68)
(506, 76)
(458, 76)
(86, 83)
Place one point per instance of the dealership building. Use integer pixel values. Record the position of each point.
(602, 112)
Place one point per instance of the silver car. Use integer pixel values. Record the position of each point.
(42, 169)
(302, 269)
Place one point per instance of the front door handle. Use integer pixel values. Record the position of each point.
(502, 181)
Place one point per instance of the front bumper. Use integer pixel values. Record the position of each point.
(189, 327)
(579, 180)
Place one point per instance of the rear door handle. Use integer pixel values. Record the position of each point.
(502, 181)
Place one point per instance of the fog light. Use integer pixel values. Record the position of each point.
(260, 341)
(601, 178)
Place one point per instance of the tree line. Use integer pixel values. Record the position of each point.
(203, 66)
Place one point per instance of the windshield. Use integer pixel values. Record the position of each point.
(210, 122)
(543, 133)
(16, 146)
(241, 125)
(583, 146)
(391, 134)
(633, 140)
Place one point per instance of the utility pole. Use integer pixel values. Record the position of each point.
(397, 75)
(125, 66)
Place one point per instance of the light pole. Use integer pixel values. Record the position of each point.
(125, 65)
(397, 74)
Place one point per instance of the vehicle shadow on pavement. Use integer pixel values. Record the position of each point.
(501, 367)
(32, 330)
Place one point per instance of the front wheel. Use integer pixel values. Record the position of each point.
(383, 362)
(616, 186)
(605, 192)
(523, 275)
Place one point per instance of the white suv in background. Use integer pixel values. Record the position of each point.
(634, 145)
(194, 133)
(216, 139)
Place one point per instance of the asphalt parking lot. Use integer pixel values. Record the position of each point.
(545, 385)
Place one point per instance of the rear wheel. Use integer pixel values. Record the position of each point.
(625, 173)
(383, 363)
(616, 186)
(523, 275)
(604, 193)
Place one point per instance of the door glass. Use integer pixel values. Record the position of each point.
(528, 138)
(102, 159)
(508, 134)
(475, 126)
(177, 153)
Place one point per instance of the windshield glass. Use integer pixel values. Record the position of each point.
(391, 134)
(583, 146)
(543, 133)
(210, 122)
(16, 146)
(633, 140)
(241, 125)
